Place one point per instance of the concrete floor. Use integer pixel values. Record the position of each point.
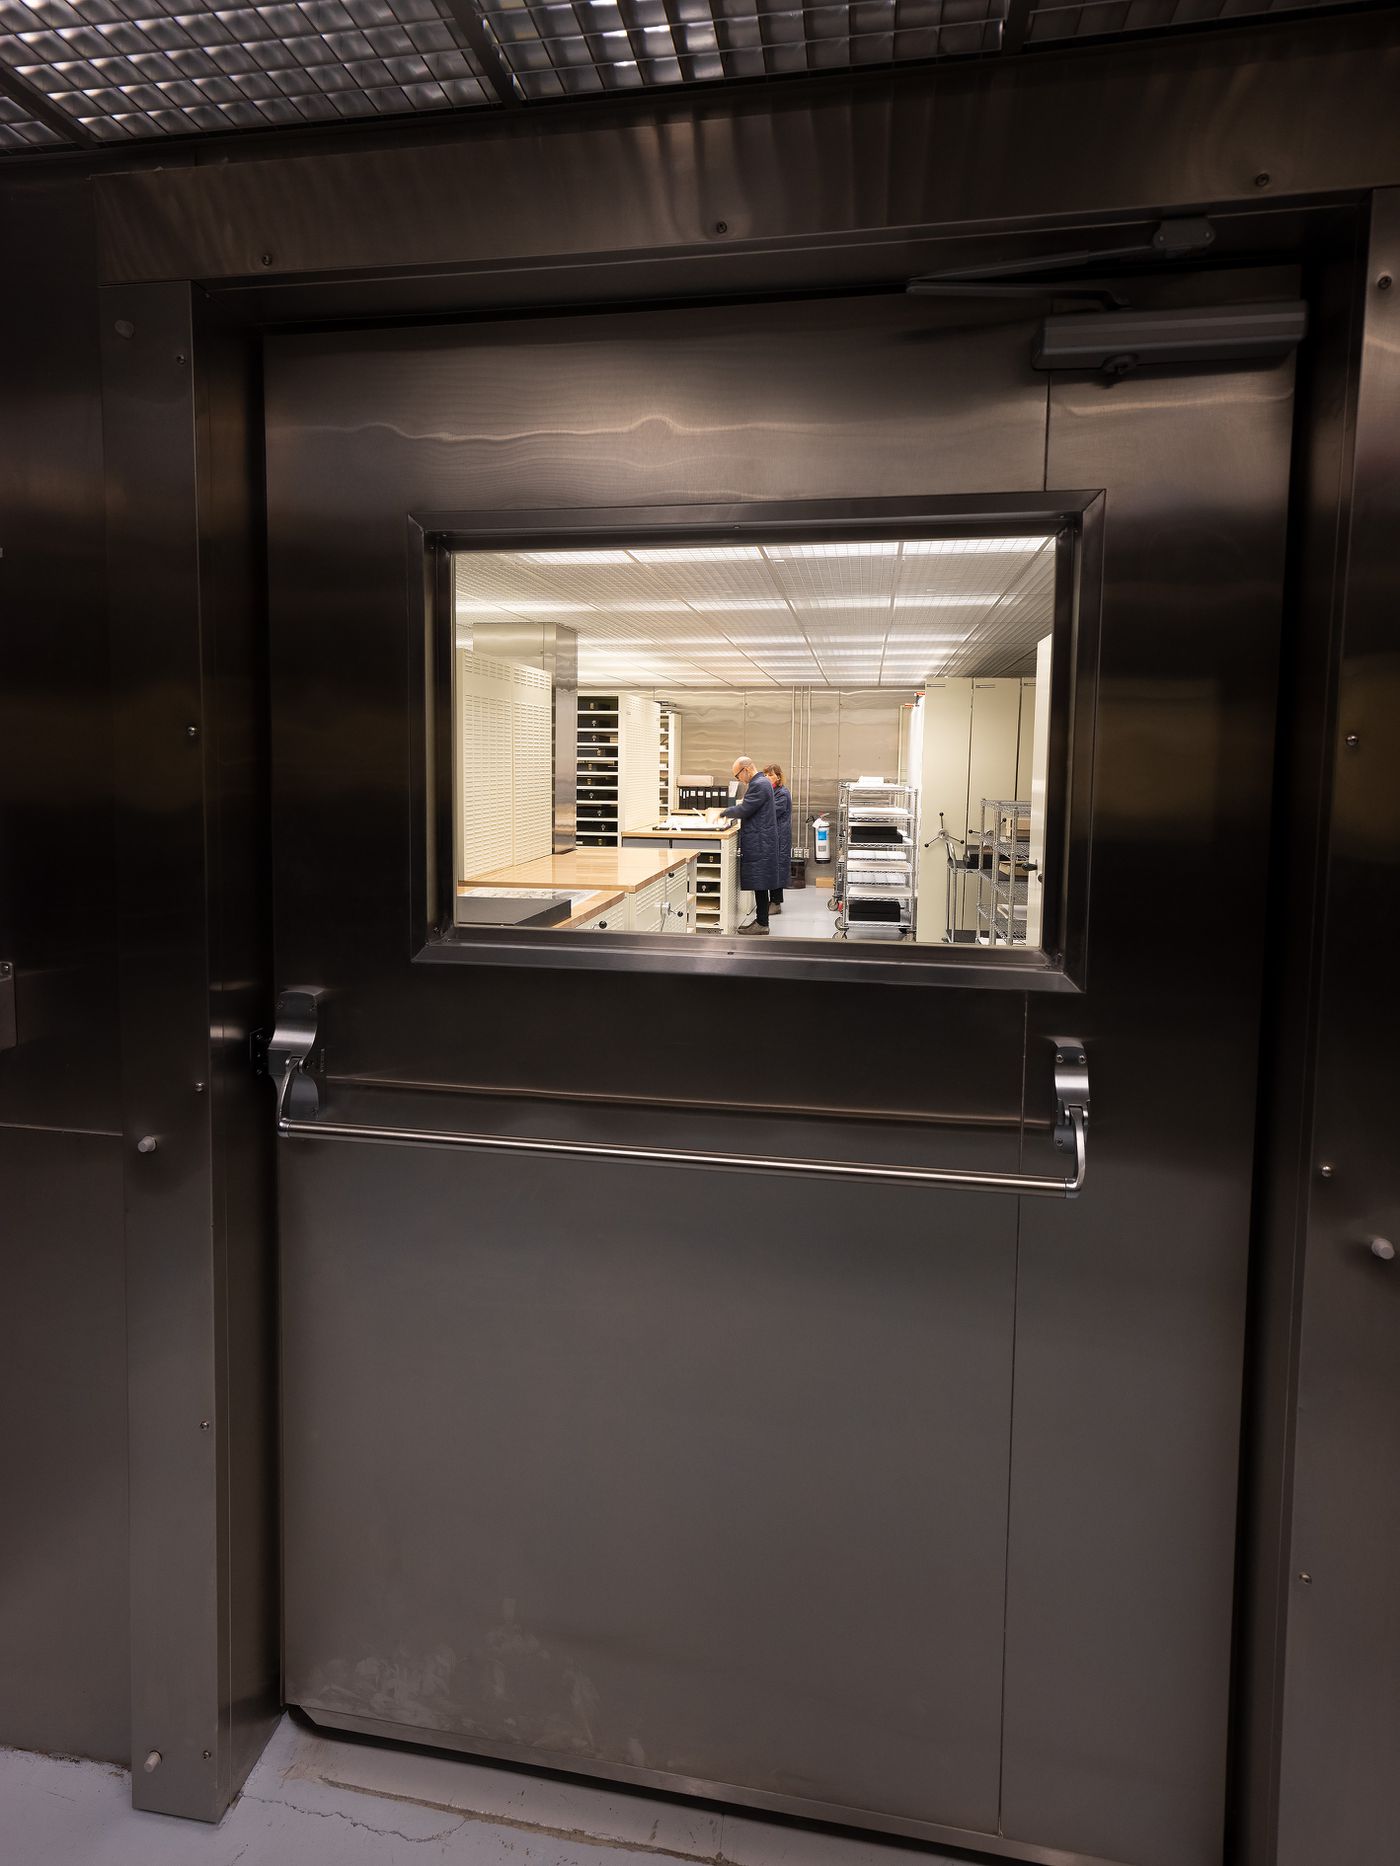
(319, 1800)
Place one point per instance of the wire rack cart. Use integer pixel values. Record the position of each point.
(877, 835)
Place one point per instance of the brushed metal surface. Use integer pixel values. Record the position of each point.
(56, 874)
(1130, 1326)
(1165, 125)
(735, 404)
(1335, 285)
(706, 1480)
(1338, 1793)
(63, 1585)
(684, 1303)
(63, 1565)
(1133, 1352)
(179, 457)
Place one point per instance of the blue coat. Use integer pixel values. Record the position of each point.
(759, 857)
(782, 802)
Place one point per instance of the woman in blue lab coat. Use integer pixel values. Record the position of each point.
(757, 816)
(782, 803)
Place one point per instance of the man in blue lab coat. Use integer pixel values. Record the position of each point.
(759, 855)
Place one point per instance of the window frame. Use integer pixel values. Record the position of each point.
(1059, 964)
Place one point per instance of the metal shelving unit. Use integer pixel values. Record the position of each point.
(1003, 881)
(597, 808)
(877, 836)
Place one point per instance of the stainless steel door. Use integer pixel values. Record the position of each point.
(700, 1480)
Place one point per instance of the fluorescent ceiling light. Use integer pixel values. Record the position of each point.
(522, 611)
(969, 547)
(736, 604)
(984, 601)
(700, 554)
(574, 557)
(869, 548)
(841, 602)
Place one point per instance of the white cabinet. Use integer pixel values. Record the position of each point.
(646, 907)
(975, 739)
(504, 772)
(680, 900)
(619, 765)
(611, 920)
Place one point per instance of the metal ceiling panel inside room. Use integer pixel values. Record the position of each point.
(121, 71)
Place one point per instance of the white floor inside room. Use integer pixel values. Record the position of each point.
(806, 914)
(319, 1800)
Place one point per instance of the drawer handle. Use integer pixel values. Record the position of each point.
(299, 1100)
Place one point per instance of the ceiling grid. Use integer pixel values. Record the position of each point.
(837, 614)
(114, 71)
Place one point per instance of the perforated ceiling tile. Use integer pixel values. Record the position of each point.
(18, 130)
(560, 48)
(1053, 20)
(127, 68)
(867, 614)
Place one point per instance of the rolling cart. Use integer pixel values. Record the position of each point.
(877, 834)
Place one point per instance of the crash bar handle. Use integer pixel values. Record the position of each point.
(298, 1104)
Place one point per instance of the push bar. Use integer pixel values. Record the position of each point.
(299, 1099)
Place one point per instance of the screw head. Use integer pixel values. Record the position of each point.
(124, 327)
(1353, 739)
(204, 1425)
(264, 259)
(206, 1753)
(179, 356)
(1326, 1172)
(199, 1088)
(1384, 1249)
(191, 732)
(721, 226)
(1263, 178)
(1383, 283)
(1305, 1578)
(147, 1144)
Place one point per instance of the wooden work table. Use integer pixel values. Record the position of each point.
(585, 907)
(698, 832)
(622, 871)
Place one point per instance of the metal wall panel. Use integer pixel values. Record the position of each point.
(1156, 125)
(56, 870)
(1339, 1798)
(63, 1620)
(193, 923)
(1125, 1465)
(63, 1566)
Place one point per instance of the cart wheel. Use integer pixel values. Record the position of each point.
(834, 904)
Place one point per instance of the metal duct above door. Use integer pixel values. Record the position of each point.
(298, 1104)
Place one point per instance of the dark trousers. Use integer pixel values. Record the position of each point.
(775, 897)
(760, 905)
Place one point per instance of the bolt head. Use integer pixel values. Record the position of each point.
(147, 1144)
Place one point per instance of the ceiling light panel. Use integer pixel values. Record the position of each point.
(124, 68)
(1053, 20)
(565, 48)
(776, 614)
(20, 131)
